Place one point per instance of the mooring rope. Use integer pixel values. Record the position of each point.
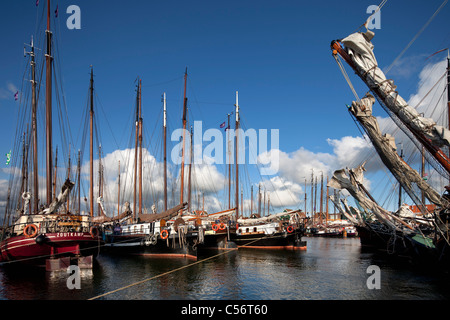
(171, 271)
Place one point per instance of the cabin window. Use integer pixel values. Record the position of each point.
(142, 228)
(135, 229)
(254, 229)
(246, 230)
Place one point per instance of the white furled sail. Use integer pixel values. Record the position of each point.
(385, 147)
(360, 49)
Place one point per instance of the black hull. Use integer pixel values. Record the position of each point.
(218, 241)
(172, 247)
(279, 240)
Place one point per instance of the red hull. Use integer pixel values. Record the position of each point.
(59, 244)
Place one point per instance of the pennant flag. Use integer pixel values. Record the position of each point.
(37, 3)
(16, 95)
(8, 157)
(222, 125)
(425, 176)
(56, 12)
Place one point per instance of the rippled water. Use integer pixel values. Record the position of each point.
(329, 269)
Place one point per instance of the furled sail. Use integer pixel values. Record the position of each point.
(385, 147)
(245, 222)
(349, 180)
(360, 49)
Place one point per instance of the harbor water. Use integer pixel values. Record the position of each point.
(330, 269)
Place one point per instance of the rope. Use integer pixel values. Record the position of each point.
(415, 37)
(169, 272)
(344, 73)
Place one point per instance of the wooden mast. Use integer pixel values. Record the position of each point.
(136, 155)
(118, 194)
(184, 136)
(237, 157)
(165, 152)
(229, 162)
(190, 172)
(48, 106)
(140, 148)
(34, 130)
(91, 145)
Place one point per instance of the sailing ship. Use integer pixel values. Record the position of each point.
(155, 234)
(46, 235)
(423, 239)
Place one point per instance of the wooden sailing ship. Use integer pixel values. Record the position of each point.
(46, 235)
(156, 234)
(424, 239)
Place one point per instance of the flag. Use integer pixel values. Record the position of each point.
(8, 157)
(16, 95)
(425, 176)
(37, 3)
(56, 12)
(222, 125)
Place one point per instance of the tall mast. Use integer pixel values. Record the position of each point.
(165, 152)
(190, 173)
(56, 169)
(91, 145)
(184, 136)
(48, 106)
(229, 162)
(34, 130)
(237, 157)
(79, 180)
(118, 194)
(321, 199)
(68, 177)
(140, 147)
(136, 147)
(251, 201)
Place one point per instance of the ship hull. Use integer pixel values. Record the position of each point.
(277, 241)
(37, 250)
(141, 245)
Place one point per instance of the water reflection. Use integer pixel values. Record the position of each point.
(329, 269)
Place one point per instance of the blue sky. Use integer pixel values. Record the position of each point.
(275, 53)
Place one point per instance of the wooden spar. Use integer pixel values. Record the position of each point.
(79, 180)
(321, 199)
(251, 201)
(437, 153)
(184, 136)
(165, 152)
(118, 193)
(140, 148)
(136, 154)
(259, 200)
(91, 145)
(229, 162)
(237, 156)
(34, 130)
(326, 206)
(54, 177)
(68, 177)
(190, 172)
(48, 106)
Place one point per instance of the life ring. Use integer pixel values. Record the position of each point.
(94, 232)
(222, 226)
(33, 233)
(164, 234)
(290, 229)
(215, 227)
